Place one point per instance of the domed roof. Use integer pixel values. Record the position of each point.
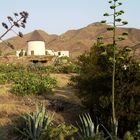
(36, 36)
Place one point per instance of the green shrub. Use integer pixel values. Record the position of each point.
(59, 132)
(128, 136)
(3, 79)
(31, 83)
(69, 68)
(11, 68)
(37, 68)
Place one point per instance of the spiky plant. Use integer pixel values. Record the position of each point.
(88, 131)
(35, 124)
(86, 128)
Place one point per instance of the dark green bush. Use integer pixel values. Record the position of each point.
(94, 79)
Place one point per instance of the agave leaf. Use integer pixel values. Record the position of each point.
(104, 53)
(86, 125)
(97, 129)
(121, 57)
(91, 125)
(80, 130)
(83, 126)
(128, 49)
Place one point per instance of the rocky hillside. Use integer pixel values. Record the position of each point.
(77, 41)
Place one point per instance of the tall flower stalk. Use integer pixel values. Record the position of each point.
(18, 21)
(116, 21)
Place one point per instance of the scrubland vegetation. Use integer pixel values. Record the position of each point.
(105, 79)
(92, 79)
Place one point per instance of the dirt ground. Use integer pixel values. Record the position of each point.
(64, 103)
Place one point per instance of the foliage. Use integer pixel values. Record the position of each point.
(94, 83)
(11, 68)
(3, 79)
(39, 126)
(61, 60)
(38, 68)
(136, 132)
(64, 65)
(19, 20)
(61, 131)
(114, 4)
(34, 124)
(128, 136)
(87, 129)
(68, 68)
(26, 81)
(1, 52)
(31, 83)
(10, 72)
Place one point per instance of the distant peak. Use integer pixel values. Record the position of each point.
(95, 24)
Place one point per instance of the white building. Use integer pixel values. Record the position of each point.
(50, 52)
(20, 52)
(62, 53)
(36, 45)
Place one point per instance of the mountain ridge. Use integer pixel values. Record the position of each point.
(76, 41)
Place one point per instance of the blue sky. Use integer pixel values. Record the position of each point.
(58, 16)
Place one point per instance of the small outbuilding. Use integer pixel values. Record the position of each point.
(62, 53)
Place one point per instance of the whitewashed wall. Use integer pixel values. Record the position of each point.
(38, 47)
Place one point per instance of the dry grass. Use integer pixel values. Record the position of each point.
(63, 79)
(12, 106)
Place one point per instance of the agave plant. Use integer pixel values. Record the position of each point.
(35, 124)
(87, 128)
(88, 131)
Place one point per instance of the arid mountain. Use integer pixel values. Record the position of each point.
(77, 41)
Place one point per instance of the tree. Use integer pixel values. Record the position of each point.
(94, 84)
(114, 4)
(19, 21)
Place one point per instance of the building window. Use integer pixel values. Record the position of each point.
(46, 52)
(32, 52)
(59, 53)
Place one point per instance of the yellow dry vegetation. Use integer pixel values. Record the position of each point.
(12, 106)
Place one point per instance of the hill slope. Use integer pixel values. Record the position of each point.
(77, 41)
